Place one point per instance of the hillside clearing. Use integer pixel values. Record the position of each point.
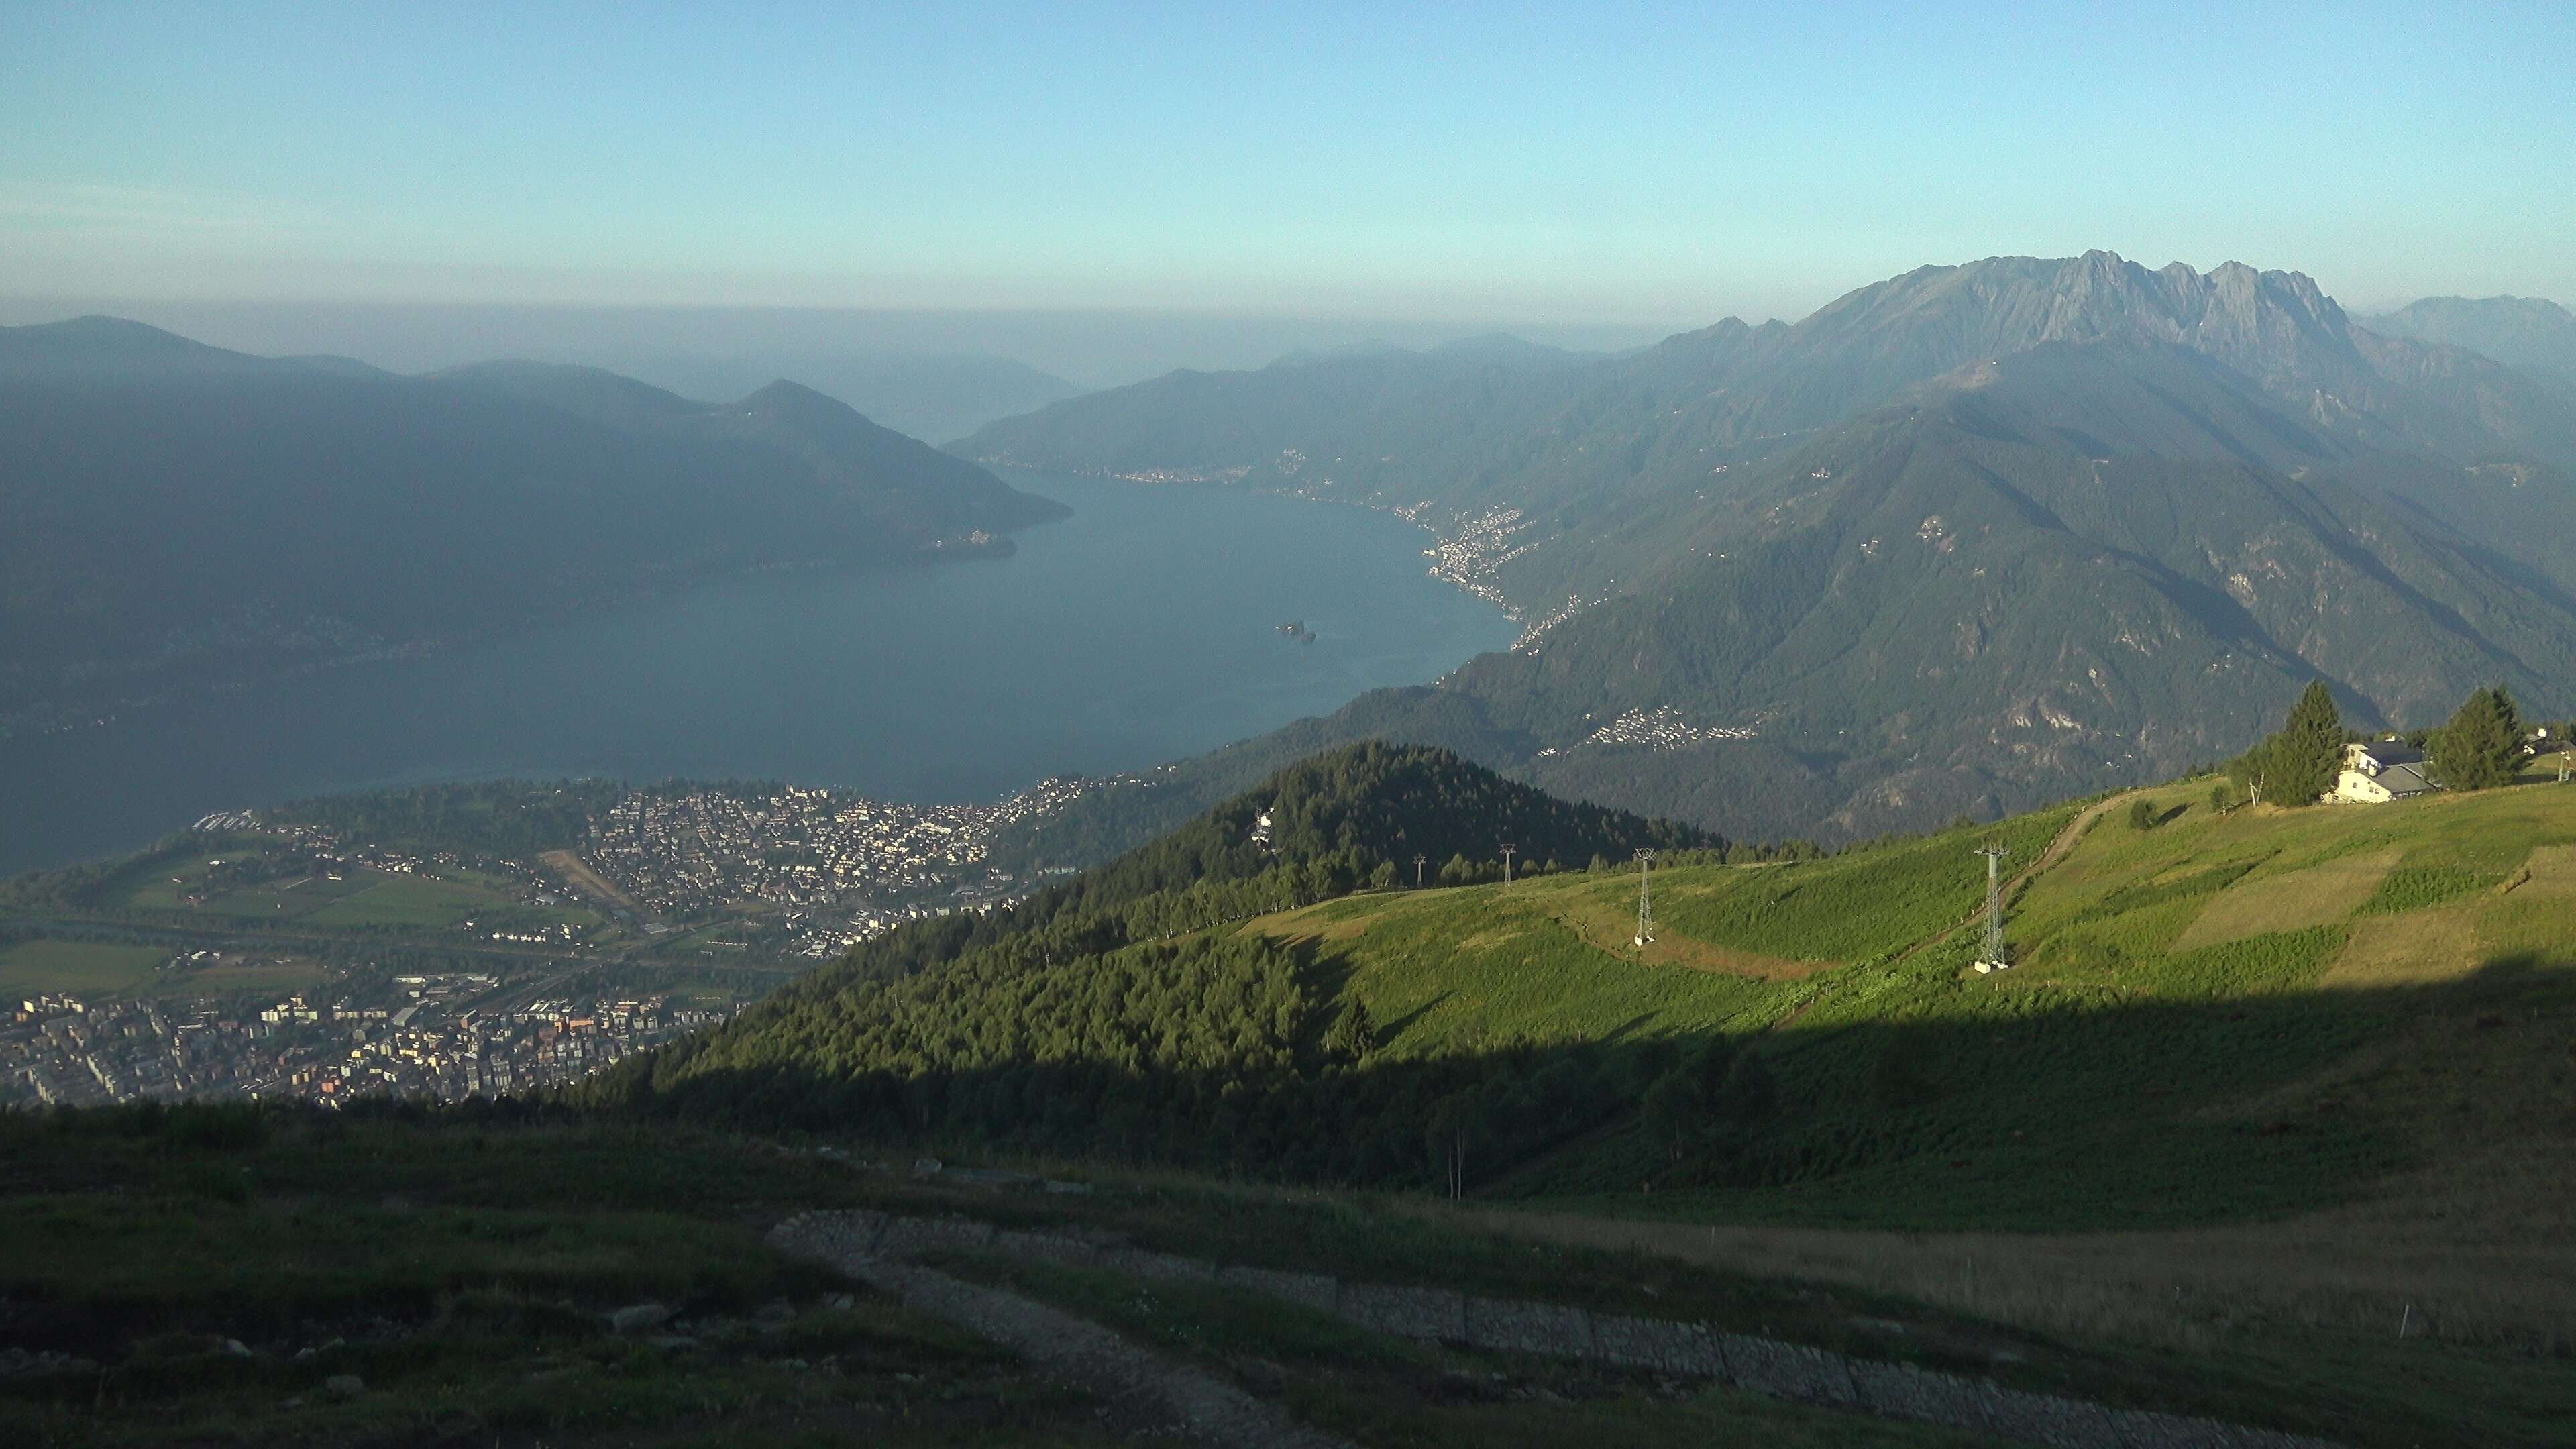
(2291, 901)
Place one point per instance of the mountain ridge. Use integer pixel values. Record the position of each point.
(1728, 532)
(2524, 331)
(181, 515)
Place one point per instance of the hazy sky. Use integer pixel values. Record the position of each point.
(1654, 167)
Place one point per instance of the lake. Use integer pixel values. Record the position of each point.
(1140, 630)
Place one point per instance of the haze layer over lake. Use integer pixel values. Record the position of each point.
(1143, 629)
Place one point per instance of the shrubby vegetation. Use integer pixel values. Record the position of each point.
(86, 884)
(1206, 1052)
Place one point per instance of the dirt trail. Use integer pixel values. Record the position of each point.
(2062, 846)
(882, 1250)
(1169, 1395)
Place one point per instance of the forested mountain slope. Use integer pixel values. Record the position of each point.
(1350, 818)
(171, 512)
(2214, 1014)
(1948, 606)
(1968, 539)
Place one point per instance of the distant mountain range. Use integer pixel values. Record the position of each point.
(1968, 539)
(935, 396)
(172, 513)
(2525, 331)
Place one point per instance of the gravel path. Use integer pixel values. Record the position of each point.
(1143, 1384)
(1154, 1394)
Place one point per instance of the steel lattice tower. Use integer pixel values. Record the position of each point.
(1645, 898)
(1995, 957)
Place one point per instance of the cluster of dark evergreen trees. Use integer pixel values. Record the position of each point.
(1210, 1052)
(2297, 764)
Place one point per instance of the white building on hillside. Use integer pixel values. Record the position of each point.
(2379, 771)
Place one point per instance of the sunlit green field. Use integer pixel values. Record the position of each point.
(407, 900)
(360, 899)
(77, 967)
(94, 969)
(2225, 1017)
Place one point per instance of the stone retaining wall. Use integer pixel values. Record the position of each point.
(1789, 1371)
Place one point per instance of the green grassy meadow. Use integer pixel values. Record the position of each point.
(399, 900)
(102, 969)
(176, 883)
(2228, 1016)
(78, 968)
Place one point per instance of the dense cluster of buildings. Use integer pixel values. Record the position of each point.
(847, 867)
(1476, 551)
(816, 869)
(446, 1037)
(1663, 728)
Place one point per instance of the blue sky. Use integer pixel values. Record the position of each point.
(1654, 166)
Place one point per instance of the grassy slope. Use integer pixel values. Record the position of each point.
(2270, 1083)
(2220, 1018)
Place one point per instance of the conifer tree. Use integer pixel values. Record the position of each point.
(2482, 745)
(1355, 1035)
(2301, 761)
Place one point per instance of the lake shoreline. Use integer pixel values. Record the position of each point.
(1139, 631)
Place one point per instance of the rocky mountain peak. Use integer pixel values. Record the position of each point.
(2279, 327)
